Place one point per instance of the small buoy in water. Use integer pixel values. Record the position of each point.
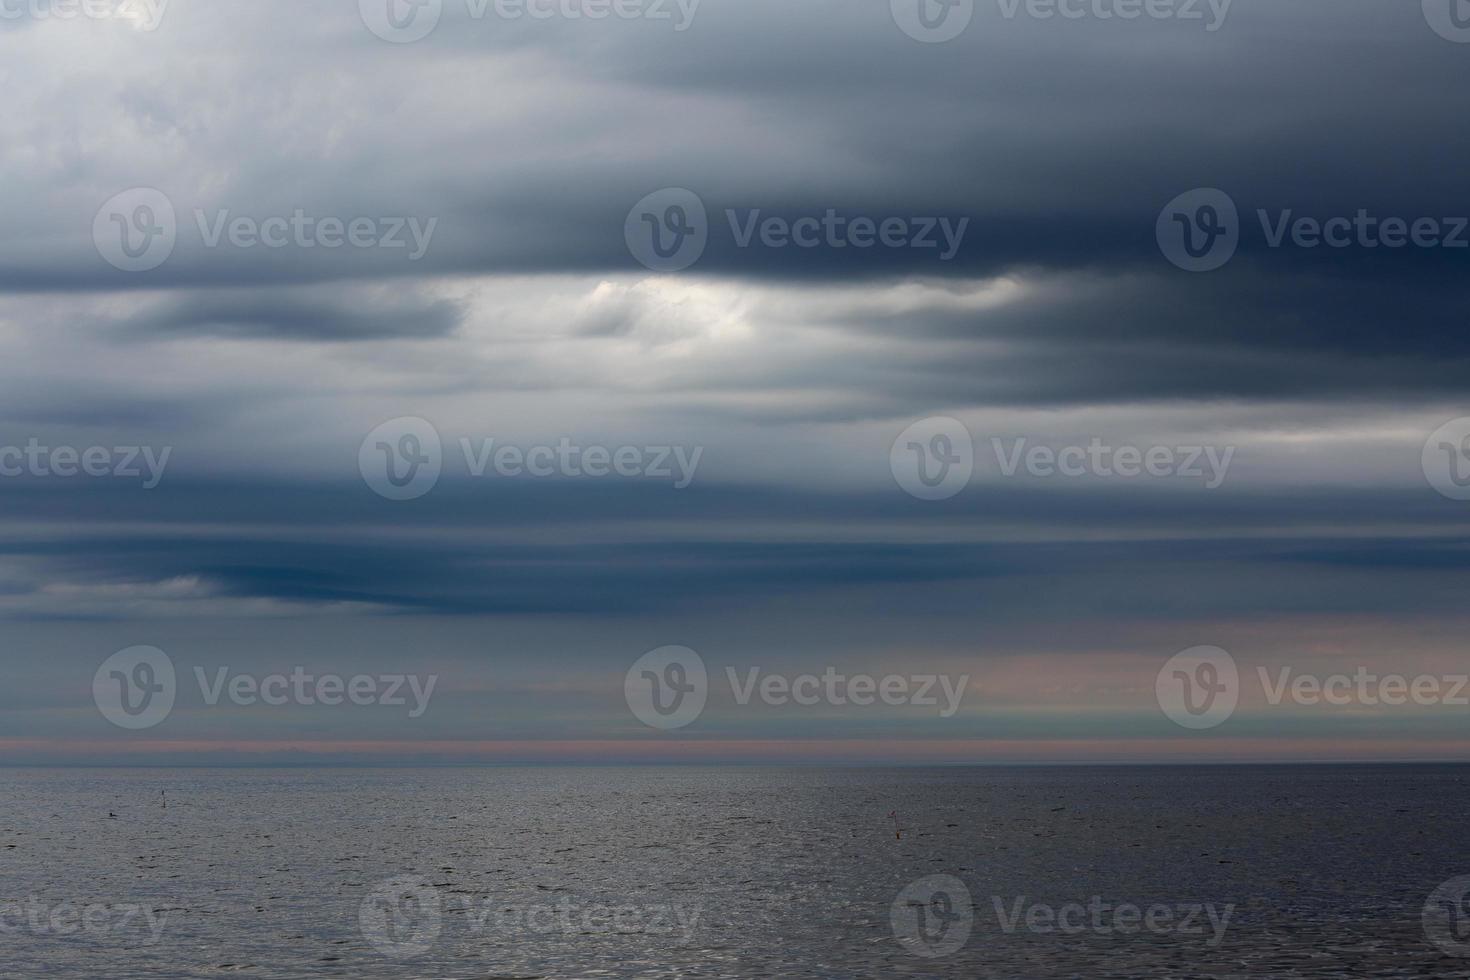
(897, 830)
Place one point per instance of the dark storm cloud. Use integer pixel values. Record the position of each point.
(515, 550)
(1059, 141)
(1243, 333)
(34, 404)
(282, 315)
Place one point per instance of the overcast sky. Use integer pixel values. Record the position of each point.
(176, 176)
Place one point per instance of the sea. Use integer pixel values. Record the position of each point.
(517, 872)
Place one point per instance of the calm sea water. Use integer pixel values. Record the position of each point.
(675, 872)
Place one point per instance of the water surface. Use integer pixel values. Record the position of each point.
(731, 872)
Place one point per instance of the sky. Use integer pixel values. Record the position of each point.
(390, 341)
